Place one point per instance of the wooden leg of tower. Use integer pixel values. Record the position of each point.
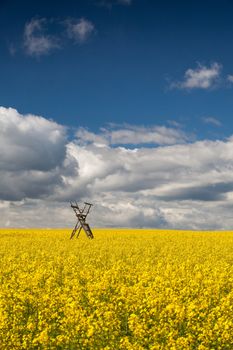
(74, 230)
(72, 234)
(79, 231)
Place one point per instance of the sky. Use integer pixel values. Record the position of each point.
(123, 103)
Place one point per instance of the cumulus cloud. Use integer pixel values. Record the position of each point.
(134, 135)
(180, 185)
(36, 41)
(32, 153)
(169, 186)
(230, 78)
(202, 77)
(156, 170)
(15, 186)
(79, 30)
(30, 142)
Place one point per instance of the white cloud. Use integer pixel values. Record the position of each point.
(30, 142)
(176, 186)
(36, 41)
(187, 185)
(230, 78)
(32, 152)
(79, 29)
(134, 135)
(212, 120)
(202, 77)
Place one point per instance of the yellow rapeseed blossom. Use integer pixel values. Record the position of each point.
(126, 289)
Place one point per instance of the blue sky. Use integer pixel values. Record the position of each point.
(126, 103)
(123, 70)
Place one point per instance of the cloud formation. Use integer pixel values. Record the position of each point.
(79, 30)
(202, 77)
(133, 135)
(36, 41)
(32, 152)
(176, 185)
(230, 78)
(30, 142)
(212, 121)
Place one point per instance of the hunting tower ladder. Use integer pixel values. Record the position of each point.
(81, 214)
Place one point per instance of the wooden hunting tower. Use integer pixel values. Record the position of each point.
(81, 214)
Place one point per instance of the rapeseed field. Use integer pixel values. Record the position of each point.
(126, 289)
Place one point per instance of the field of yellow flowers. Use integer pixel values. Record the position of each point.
(126, 289)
